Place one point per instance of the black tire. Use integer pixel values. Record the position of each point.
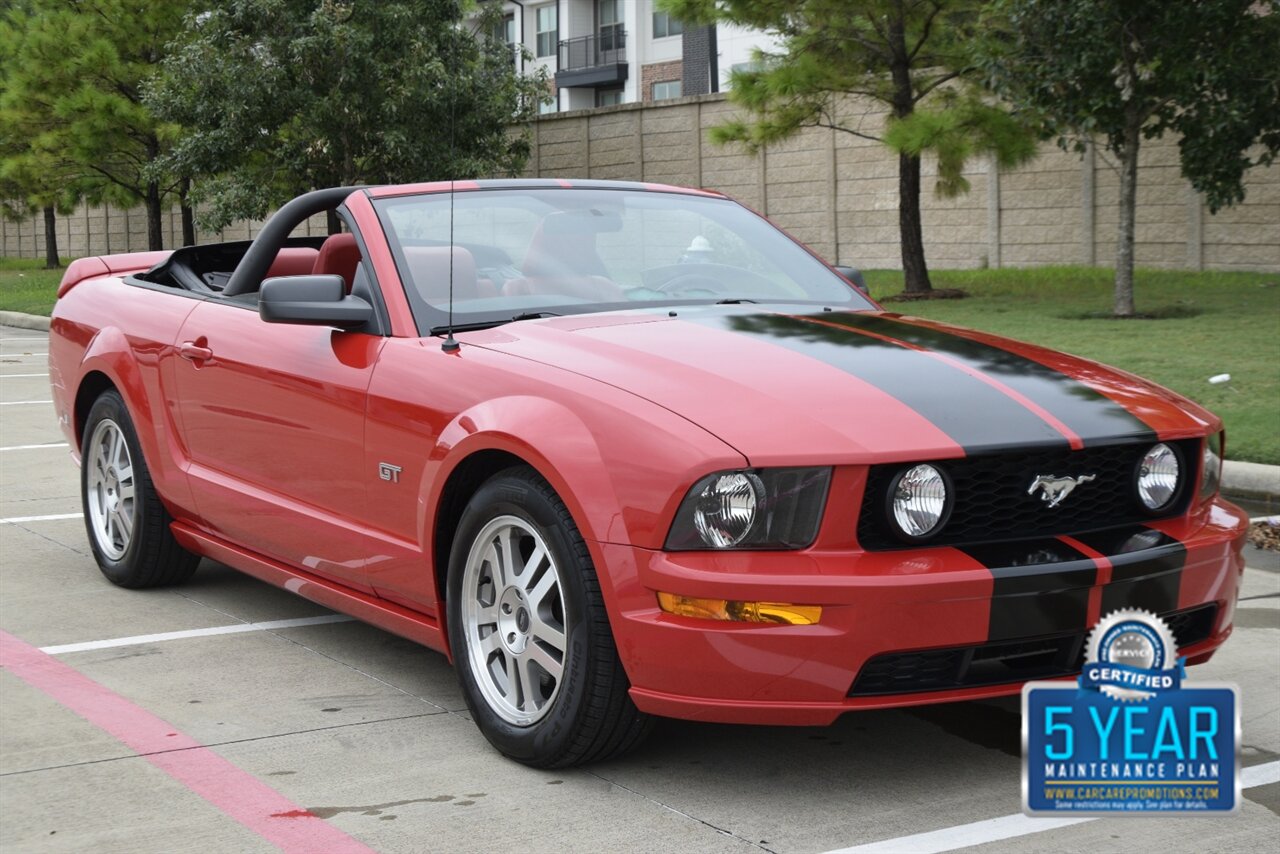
(150, 557)
(591, 717)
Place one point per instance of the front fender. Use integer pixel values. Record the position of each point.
(567, 455)
(621, 466)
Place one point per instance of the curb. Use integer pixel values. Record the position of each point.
(1251, 480)
(1239, 479)
(20, 320)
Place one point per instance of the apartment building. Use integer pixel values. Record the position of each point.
(606, 52)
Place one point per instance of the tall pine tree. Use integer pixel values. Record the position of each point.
(80, 66)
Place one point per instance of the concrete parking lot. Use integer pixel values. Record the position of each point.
(227, 715)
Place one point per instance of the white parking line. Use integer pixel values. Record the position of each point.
(14, 520)
(23, 402)
(18, 376)
(7, 340)
(1009, 826)
(20, 355)
(236, 629)
(34, 447)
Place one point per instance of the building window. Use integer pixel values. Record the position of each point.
(548, 30)
(505, 30)
(609, 21)
(608, 97)
(548, 107)
(667, 89)
(664, 25)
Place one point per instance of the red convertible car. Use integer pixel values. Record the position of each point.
(624, 450)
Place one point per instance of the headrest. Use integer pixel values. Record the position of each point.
(429, 268)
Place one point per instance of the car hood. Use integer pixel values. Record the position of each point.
(787, 385)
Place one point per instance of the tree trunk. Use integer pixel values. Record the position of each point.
(914, 268)
(910, 231)
(335, 224)
(155, 233)
(1128, 212)
(188, 215)
(50, 239)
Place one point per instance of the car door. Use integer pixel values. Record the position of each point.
(273, 417)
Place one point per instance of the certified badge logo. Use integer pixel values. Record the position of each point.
(1131, 737)
(1131, 655)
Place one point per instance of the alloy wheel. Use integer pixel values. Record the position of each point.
(514, 620)
(111, 489)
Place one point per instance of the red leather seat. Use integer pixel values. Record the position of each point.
(339, 256)
(555, 251)
(429, 268)
(293, 261)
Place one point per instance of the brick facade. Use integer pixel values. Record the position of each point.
(658, 72)
(699, 47)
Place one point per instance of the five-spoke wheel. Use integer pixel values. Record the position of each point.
(529, 632)
(514, 616)
(111, 492)
(127, 523)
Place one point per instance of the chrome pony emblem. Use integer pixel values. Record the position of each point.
(1054, 490)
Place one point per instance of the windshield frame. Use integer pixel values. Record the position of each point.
(432, 320)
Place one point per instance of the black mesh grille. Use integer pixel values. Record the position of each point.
(1008, 661)
(992, 504)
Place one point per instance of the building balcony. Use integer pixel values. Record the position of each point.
(592, 61)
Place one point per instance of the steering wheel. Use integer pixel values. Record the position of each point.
(691, 281)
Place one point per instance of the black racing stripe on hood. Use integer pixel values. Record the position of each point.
(977, 416)
(1146, 568)
(1040, 587)
(1089, 414)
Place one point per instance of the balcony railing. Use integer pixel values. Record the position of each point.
(606, 47)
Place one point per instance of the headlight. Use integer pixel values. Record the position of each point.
(919, 502)
(1159, 476)
(1211, 467)
(751, 509)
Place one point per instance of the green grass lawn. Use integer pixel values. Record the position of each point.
(26, 286)
(1208, 323)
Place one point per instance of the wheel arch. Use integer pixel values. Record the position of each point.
(110, 362)
(488, 438)
(463, 481)
(92, 385)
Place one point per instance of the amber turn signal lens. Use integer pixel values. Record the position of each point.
(778, 613)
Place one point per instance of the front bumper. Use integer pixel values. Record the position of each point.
(1014, 599)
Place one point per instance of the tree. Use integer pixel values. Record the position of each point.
(283, 96)
(29, 181)
(909, 55)
(1124, 72)
(82, 64)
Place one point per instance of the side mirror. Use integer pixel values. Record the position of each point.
(312, 300)
(854, 275)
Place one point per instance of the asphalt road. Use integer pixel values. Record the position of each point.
(224, 740)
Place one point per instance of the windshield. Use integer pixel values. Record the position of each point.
(543, 251)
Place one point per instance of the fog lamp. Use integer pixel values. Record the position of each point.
(778, 613)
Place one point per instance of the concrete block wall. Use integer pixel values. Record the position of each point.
(838, 192)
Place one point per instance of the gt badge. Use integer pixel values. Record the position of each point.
(1054, 490)
(386, 471)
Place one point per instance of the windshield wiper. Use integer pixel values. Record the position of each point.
(734, 301)
(489, 324)
(535, 315)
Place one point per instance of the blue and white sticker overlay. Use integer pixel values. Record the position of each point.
(1131, 737)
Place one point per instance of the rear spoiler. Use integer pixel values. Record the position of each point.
(108, 265)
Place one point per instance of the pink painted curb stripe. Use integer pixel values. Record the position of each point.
(230, 789)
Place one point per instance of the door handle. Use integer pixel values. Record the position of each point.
(194, 353)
